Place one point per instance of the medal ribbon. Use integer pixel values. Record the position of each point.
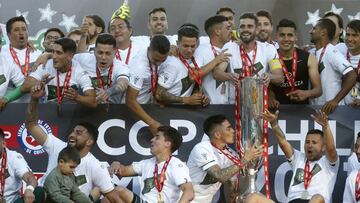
(307, 174)
(118, 57)
(230, 155)
(198, 77)
(248, 65)
(109, 76)
(66, 86)
(153, 77)
(16, 60)
(3, 169)
(266, 143)
(159, 184)
(214, 51)
(357, 186)
(322, 55)
(291, 80)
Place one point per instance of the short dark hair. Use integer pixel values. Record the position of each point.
(105, 38)
(155, 10)
(98, 21)
(264, 13)
(74, 32)
(11, 21)
(339, 18)
(212, 21)
(128, 25)
(355, 25)
(315, 131)
(212, 122)
(91, 128)
(251, 16)
(358, 135)
(188, 30)
(286, 23)
(54, 29)
(69, 154)
(172, 135)
(2, 134)
(224, 9)
(160, 43)
(67, 44)
(329, 25)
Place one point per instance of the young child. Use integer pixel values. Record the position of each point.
(60, 185)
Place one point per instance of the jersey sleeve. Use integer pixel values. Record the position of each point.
(203, 157)
(272, 57)
(41, 71)
(136, 78)
(180, 173)
(349, 192)
(21, 167)
(168, 75)
(340, 63)
(84, 80)
(295, 158)
(16, 76)
(101, 177)
(138, 167)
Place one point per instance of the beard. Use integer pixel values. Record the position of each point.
(247, 40)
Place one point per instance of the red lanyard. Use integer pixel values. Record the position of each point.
(118, 57)
(109, 81)
(214, 51)
(153, 77)
(248, 65)
(3, 169)
(358, 66)
(198, 77)
(159, 184)
(291, 80)
(230, 155)
(322, 55)
(16, 59)
(357, 187)
(307, 174)
(65, 86)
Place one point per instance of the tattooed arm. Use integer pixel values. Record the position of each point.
(32, 114)
(279, 135)
(164, 97)
(223, 175)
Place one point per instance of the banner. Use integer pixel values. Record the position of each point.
(122, 137)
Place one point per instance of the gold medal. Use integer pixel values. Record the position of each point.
(354, 92)
(305, 195)
(160, 198)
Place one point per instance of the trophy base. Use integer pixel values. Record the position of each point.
(252, 188)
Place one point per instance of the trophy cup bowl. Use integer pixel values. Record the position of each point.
(251, 106)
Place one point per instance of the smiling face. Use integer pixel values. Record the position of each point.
(119, 30)
(18, 35)
(352, 40)
(49, 40)
(247, 29)
(158, 23)
(286, 38)
(264, 29)
(79, 138)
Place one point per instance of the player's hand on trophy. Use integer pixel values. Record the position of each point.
(320, 117)
(270, 117)
(266, 79)
(253, 152)
(123, 12)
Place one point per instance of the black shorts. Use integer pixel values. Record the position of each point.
(299, 201)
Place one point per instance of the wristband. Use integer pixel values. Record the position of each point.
(13, 94)
(30, 187)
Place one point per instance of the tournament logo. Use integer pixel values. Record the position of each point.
(28, 143)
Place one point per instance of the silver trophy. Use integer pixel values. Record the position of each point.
(251, 106)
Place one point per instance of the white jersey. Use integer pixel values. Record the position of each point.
(174, 76)
(176, 174)
(202, 157)
(16, 167)
(136, 48)
(264, 55)
(216, 91)
(322, 181)
(89, 173)
(353, 163)
(9, 73)
(140, 77)
(349, 192)
(79, 79)
(91, 48)
(120, 70)
(354, 60)
(333, 66)
(21, 54)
